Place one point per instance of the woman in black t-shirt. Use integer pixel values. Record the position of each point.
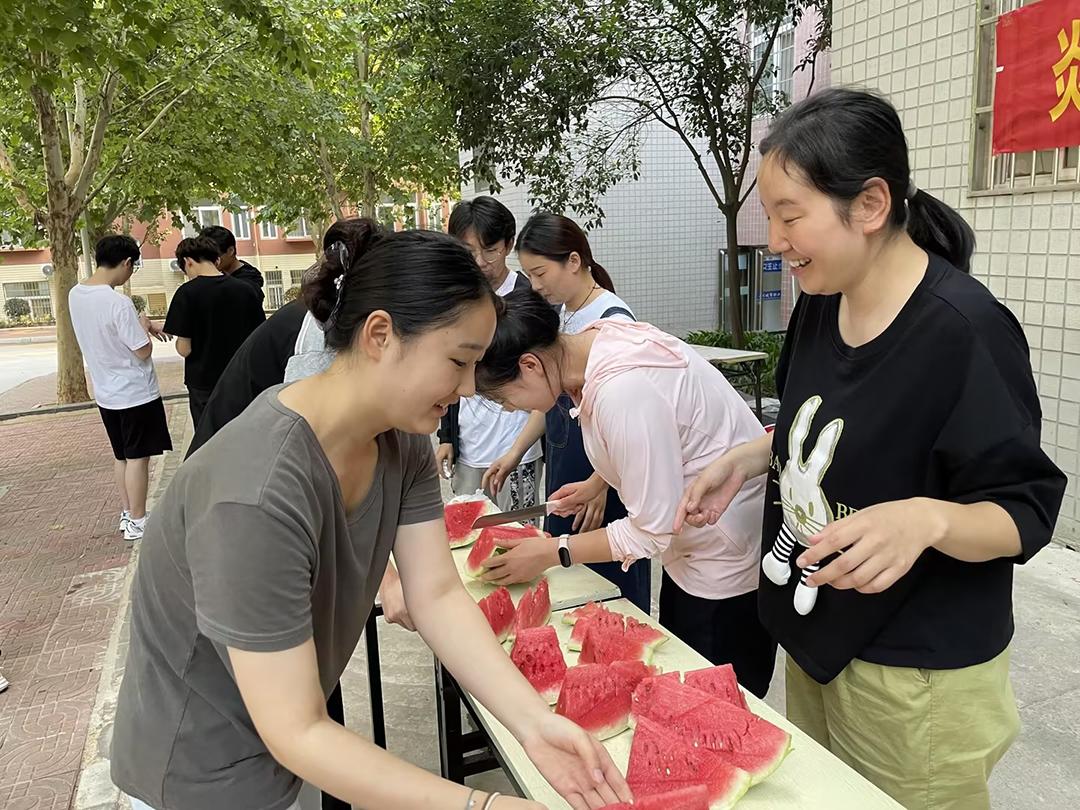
(906, 476)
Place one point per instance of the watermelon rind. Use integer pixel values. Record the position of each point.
(662, 762)
(461, 536)
(498, 609)
(593, 698)
(645, 633)
(538, 657)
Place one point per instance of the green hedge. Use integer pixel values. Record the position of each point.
(768, 342)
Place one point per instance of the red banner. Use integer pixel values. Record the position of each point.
(1037, 87)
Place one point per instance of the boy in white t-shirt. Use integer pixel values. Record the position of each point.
(116, 344)
(476, 432)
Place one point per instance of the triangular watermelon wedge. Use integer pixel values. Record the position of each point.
(593, 698)
(539, 658)
(743, 739)
(645, 633)
(489, 544)
(459, 517)
(604, 646)
(630, 673)
(662, 762)
(720, 682)
(498, 609)
(534, 609)
(600, 618)
(572, 616)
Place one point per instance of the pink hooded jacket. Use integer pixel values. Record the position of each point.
(653, 415)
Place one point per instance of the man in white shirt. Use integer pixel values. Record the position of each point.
(477, 432)
(116, 344)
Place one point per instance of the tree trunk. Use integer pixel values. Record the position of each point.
(734, 292)
(363, 72)
(70, 377)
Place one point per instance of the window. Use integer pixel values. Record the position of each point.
(35, 293)
(241, 224)
(298, 230)
(778, 80)
(275, 292)
(267, 230)
(204, 217)
(1012, 173)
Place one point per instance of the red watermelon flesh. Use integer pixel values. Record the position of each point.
(483, 550)
(739, 737)
(498, 609)
(459, 518)
(592, 697)
(534, 609)
(662, 762)
(603, 646)
(691, 798)
(646, 634)
(600, 618)
(630, 673)
(571, 616)
(720, 682)
(539, 658)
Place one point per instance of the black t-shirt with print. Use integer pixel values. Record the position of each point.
(217, 313)
(941, 405)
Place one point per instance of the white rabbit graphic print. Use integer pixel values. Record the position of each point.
(806, 509)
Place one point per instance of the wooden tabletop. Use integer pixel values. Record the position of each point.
(729, 357)
(570, 587)
(811, 778)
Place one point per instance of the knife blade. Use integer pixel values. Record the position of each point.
(513, 516)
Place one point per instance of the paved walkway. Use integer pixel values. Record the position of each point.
(62, 570)
(40, 392)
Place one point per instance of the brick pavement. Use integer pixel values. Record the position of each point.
(62, 572)
(41, 391)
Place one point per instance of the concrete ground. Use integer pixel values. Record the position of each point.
(1040, 771)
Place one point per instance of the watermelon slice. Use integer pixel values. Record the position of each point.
(481, 552)
(593, 698)
(539, 658)
(600, 618)
(645, 633)
(691, 798)
(720, 682)
(498, 609)
(739, 737)
(603, 646)
(459, 518)
(534, 609)
(662, 762)
(630, 673)
(571, 616)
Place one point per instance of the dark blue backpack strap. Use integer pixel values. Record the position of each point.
(617, 311)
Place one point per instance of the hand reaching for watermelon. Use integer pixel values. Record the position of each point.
(575, 764)
(524, 560)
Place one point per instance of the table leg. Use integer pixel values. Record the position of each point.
(448, 704)
(378, 721)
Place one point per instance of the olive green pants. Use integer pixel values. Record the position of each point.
(928, 738)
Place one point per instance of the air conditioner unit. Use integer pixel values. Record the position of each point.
(46, 270)
(174, 265)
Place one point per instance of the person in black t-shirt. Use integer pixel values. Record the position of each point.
(229, 263)
(210, 316)
(905, 477)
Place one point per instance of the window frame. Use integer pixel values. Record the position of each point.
(242, 216)
(198, 211)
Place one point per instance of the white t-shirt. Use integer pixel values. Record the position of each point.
(108, 330)
(485, 431)
(574, 322)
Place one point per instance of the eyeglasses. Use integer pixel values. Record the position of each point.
(487, 256)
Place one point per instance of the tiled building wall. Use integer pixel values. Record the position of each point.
(922, 55)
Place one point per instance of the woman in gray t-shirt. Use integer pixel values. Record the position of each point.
(263, 558)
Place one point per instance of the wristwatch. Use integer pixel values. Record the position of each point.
(564, 551)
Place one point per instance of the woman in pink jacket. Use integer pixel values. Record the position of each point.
(653, 415)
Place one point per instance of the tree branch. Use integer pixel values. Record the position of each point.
(751, 91)
(22, 194)
(77, 136)
(97, 138)
(333, 195)
(50, 141)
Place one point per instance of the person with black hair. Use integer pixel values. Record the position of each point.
(906, 475)
(475, 432)
(229, 263)
(210, 316)
(257, 575)
(652, 413)
(555, 254)
(116, 344)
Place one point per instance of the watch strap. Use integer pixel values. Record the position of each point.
(564, 551)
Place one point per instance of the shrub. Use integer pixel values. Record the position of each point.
(140, 303)
(16, 308)
(292, 294)
(769, 342)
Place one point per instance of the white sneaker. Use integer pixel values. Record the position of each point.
(134, 530)
(125, 519)
(3, 682)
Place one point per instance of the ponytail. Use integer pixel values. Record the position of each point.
(601, 276)
(555, 237)
(840, 139)
(937, 228)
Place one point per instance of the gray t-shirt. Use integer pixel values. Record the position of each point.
(251, 548)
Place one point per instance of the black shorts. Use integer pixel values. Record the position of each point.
(138, 432)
